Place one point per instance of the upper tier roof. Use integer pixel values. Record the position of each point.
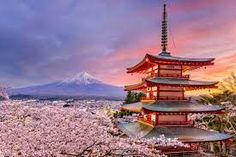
(182, 133)
(165, 58)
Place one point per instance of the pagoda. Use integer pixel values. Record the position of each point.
(165, 108)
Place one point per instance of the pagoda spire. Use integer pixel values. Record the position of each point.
(164, 33)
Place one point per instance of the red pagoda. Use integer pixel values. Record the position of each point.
(165, 107)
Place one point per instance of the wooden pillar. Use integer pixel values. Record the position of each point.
(181, 71)
(183, 94)
(156, 119)
(186, 117)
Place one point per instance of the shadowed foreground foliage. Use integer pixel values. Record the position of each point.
(227, 98)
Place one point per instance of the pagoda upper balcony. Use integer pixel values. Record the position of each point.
(171, 123)
(154, 75)
(167, 98)
(173, 98)
(155, 122)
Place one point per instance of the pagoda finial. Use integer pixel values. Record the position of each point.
(164, 41)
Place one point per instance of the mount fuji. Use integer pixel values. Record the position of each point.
(83, 84)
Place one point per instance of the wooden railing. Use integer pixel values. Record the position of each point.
(175, 76)
(150, 98)
(176, 123)
(171, 98)
(168, 75)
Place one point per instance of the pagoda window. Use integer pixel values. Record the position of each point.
(154, 88)
(155, 94)
(150, 69)
(153, 118)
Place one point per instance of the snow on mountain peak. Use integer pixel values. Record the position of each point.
(82, 78)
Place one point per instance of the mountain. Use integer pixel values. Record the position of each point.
(83, 84)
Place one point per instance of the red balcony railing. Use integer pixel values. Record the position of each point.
(171, 98)
(168, 75)
(189, 123)
(150, 98)
(175, 76)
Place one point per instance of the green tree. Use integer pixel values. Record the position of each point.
(133, 97)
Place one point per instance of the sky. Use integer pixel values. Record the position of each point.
(43, 41)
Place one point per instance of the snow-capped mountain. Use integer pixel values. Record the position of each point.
(82, 78)
(83, 84)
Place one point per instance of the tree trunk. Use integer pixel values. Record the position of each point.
(220, 150)
(211, 147)
(224, 148)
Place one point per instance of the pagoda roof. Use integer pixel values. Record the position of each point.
(186, 134)
(172, 107)
(137, 86)
(134, 107)
(166, 58)
(181, 106)
(189, 84)
(180, 82)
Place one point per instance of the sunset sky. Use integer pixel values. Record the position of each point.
(43, 41)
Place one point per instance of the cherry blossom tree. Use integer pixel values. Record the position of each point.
(33, 128)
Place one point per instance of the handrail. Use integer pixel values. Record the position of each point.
(169, 76)
(166, 98)
(176, 122)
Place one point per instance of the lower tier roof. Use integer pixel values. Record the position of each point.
(181, 106)
(134, 107)
(185, 134)
(172, 106)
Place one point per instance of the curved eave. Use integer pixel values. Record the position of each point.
(184, 134)
(141, 66)
(183, 107)
(134, 107)
(188, 63)
(138, 86)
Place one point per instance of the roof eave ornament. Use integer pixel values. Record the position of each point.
(164, 33)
